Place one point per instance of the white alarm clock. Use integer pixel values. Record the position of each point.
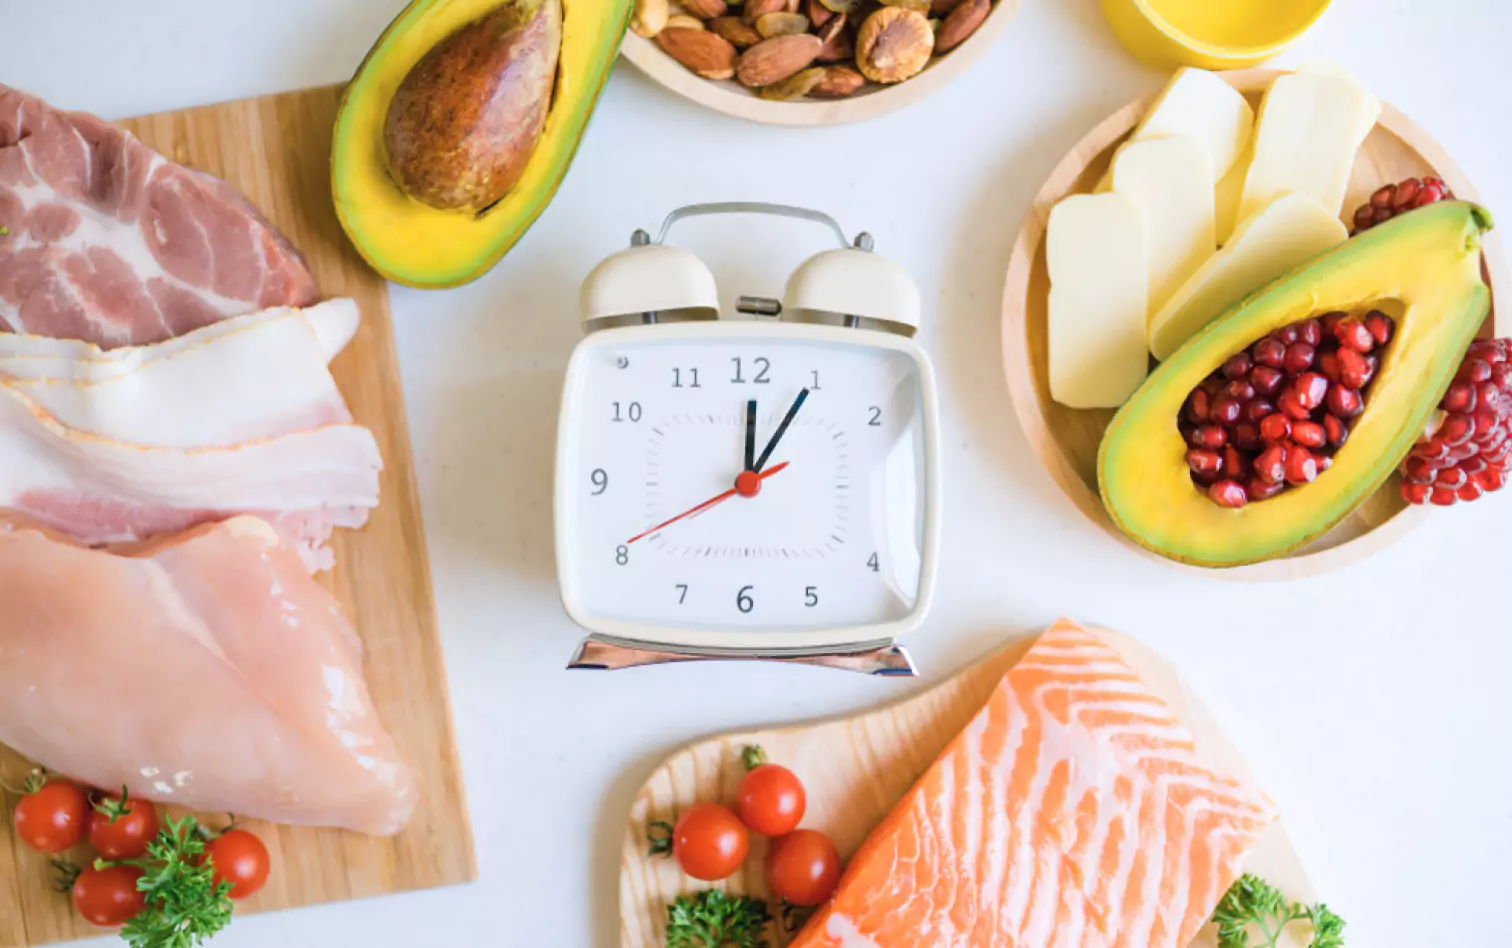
(760, 487)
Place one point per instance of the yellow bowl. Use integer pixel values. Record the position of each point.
(1211, 34)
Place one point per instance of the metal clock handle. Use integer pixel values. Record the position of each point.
(863, 240)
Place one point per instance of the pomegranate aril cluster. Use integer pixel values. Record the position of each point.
(1393, 199)
(1467, 457)
(1271, 418)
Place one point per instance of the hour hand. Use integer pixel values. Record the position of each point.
(750, 436)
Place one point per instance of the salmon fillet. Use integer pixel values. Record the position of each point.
(1073, 812)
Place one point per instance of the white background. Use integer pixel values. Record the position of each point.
(1372, 702)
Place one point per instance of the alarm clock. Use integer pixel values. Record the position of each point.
(759, 486)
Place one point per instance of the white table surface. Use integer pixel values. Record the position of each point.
(1371, 702)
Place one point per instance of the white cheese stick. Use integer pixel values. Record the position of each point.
(1292, 230)
(1095, 248)
(1171, 179)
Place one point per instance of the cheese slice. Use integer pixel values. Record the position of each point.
(1311, 125)
(1199, 104)
(1290, 231)
(1228, 194)
(1171, 179)
(1095, 249)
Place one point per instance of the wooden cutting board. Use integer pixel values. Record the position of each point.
(854, 769)
(276, 149)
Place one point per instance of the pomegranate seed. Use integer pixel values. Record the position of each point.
(1330, 321)
(1381, 326)
(1461, 397)
(1267, 380)
(1263, 490)
(1471, 491)
(1502, 376)
(1336, 430)
(1312, 331)
(1473, 466)
(1364, 216)
(1211, 437)
(1299, 358)
(1474, 371)
(1293, 408)
(1287, 335)
(1239, 389)
(1310, 434)
(1491, 479)
(1237, 367)
(1499, 453)
(1310, 389)
(1236, 464)
(1381, 197)
(1301, 466)
(1443, 497)
(1415, 493)
(1457, 430)
(1352, 334)
(1356, 370)
(1489, 395)
(1198, 404)
(1418, 470)
(1270, 466)
(1275, 428)
(1270, 352)
(1246, 437)
(1229, 494)
(1226, 410)
(1257, 408)
(1486, 419)
(1499, 437)
(1451, 478)
(1329, 365)
(1345, 402)
(1434, 449)
(1383, 214)
(1405, 192)
(1464, 452)
(1204, 462)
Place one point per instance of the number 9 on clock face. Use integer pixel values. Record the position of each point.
(747, 486)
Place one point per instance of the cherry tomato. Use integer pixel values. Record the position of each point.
(108, 897)
(51, 818)
(241, 859)
(122, 830)
(803, 867)
(709, 842)
(770, 800)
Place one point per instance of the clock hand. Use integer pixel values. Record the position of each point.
(781, 430)
(744, 490)
(750, 436)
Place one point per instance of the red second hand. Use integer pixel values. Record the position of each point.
(711, 502)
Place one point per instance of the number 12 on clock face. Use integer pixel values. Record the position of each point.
(747, 486)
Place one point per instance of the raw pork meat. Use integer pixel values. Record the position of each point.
(114, 244)
(207, 671)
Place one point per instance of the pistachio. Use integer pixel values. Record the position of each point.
(960, 24)
(838, 83)
(649, 18)
(781, 24)
(682, 21)
(795, 86)
(894, 44)
(740, 33)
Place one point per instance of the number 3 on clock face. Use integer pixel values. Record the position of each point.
(747, 486)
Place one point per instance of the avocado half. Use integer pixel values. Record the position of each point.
(1424, 266)
(417, 245)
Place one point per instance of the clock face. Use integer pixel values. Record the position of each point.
(668, 521)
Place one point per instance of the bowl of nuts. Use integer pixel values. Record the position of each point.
(811, 62)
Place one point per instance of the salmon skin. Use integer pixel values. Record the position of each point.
(1073, 812)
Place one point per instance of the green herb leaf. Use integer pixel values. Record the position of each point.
(184, 904)
(753, 757)
(1254, 906)
(713, 919)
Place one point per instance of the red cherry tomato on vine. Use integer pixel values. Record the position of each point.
(240, 858)
(803, 867)
(709, 842)
(108, 897)
(770, 800)
(120, 830)
(51, 816)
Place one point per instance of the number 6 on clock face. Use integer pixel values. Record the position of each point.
(747, 486)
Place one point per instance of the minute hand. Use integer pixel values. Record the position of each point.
(781, 430)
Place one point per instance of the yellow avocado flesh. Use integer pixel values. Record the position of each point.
(415, 244)
(1424, 266)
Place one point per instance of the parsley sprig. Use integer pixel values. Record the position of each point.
(184, 904)
(1253, 905)
(713, 919)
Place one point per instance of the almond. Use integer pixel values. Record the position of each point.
(704, 9)
(818, 13)
(941, 8)
(773, 60)
(781, 24)
(736, 30)
(838, 46)
(838, 82)
(702, 52)
(960, 24)
(755, 8)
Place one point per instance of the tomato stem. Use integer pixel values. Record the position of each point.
(659, 833)
(68, 874)
(752, 757)
(794, 917)
(113, 810)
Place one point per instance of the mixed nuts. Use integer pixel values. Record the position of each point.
(819, 49)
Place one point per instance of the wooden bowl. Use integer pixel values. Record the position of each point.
(731, 98)
(1066, 439)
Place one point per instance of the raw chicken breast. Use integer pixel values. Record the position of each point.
(1073, 812)
(207, 671)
